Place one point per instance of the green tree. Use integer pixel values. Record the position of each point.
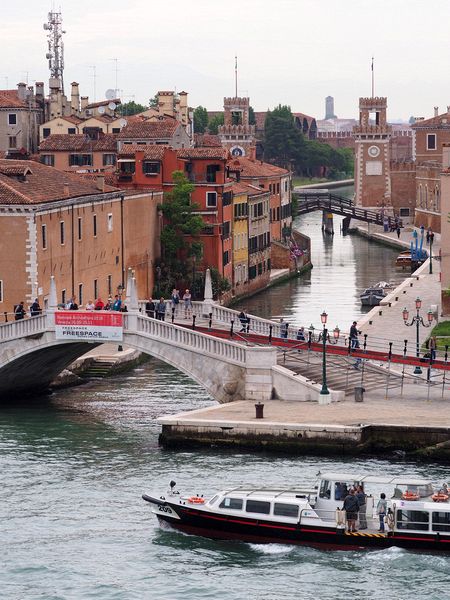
(179, 247)
(283, 142)
(153, 102)
(251, 116)
(200, 119)
(214, 123)
(132, 108)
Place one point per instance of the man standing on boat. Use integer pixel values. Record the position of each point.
(351, 507)
(361, 496)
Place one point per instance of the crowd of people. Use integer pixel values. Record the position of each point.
(156, 309)
(355, 506)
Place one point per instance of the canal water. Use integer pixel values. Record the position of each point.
(74, 466)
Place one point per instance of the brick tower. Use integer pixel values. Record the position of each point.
(372, 154)
(236, 133)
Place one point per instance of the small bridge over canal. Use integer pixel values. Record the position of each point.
(327, 202)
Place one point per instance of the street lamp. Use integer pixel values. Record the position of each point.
(324, 391)
(431, 255)
(417, 320)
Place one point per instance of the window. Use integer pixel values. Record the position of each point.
(226, 230)
(116, 129)
(109, 159)
(44, 236)
(285, 510)
(211, 199)
(226, 257)
(63, 297)
(240, 210)
(12, 119)
(227, 198)
(128, 167)
(95, 288)
(80, 160)
(431, 141)
(80, 294)
(48, 159)
(404, 212)
(46, 131)
(1, 290)
(258, 506)
(94, 224)
(62, 232)
(109, 284)
(211, 171)
(110, 222)
(150, 168)
(441, 521)
(252, 272)
(413, 519)
(12, 141)
(233, 503)
(71, 130)
(80, 228)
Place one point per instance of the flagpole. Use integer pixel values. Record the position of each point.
(373, 83)
(235, 77)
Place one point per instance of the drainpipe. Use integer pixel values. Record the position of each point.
(122, 240)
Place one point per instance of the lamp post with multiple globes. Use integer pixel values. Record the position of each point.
(417, 320)
(336, 333)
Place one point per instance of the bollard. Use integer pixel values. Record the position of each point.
(359, 394)
(370, 322)
(396, 298)
(6, 316)
(210, 320)
(389, 304)
(259, 408)
(380, 312)
(193, 321)
(365, 342)
(120, 348)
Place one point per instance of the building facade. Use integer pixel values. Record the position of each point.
(21, 113)
(75, 152)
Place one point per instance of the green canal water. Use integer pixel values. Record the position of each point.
(74, 466)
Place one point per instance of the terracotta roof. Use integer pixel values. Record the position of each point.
(206, 140)
(150, 130)
(103, 103)
(206, 153)
(239, 188)
(42, 184)
(10, 99)
(65, 142)
(439, 121)
(255, 168)
(71, 119)
(151, 151)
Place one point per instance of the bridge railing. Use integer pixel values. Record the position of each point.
(187, 338)
(23, 328)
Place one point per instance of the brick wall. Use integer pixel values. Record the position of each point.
(403, 186)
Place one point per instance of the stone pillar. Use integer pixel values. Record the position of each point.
(52, 303)
(208, 294)
(258, 373)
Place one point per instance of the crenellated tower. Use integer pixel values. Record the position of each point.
(236, 133)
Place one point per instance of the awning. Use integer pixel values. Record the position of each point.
(126, 160)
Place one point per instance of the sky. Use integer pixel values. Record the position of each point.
(293, 52)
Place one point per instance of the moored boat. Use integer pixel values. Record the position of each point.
(315, 516)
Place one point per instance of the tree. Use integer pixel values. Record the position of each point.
(214, 123)
(200, 119)
(251, 116)
(132, 108)
(153, 102)
(283, 142)
(179, 248)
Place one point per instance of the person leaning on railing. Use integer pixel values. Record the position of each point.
(19, 311)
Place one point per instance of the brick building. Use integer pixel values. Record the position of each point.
(167, 131)
(74, 152)
(84, 233)
(21, 113)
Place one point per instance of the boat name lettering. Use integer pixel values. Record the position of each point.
(165, 509)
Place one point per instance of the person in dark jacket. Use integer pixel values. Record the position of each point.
(150, 308)
(35, 309)
(362, 501)
(161, 310)
(351, 507)
(19, 311)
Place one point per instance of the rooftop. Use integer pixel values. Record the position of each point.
(103, 103)
(151, 151)
(150, 130)
(66, 142)
(214, 153)
(10, 99)
(255, 168)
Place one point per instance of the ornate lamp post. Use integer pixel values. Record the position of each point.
(431, 255)
(417, 320)
(336, 333)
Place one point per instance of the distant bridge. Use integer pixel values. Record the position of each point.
(326, 201)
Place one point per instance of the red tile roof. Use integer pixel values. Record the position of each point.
(103, 103)
(150, 130)
(71, 119)
(10, 99)
(65, 142)
(253, 169)
(205, 153)
(41, 183)
(239, 188)
(151, 151)
(441, 121)
(207, 140)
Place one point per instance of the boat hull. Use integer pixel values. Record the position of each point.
(259, 531)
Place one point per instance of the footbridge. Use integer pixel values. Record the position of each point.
(328, 202)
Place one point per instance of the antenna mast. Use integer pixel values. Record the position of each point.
(373, 81)
(55, 54)
(235, 77)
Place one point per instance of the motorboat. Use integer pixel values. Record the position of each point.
(406, 259)
(418, 516)
(374, 295)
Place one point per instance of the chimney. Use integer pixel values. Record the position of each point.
(22, 90)
(66, 190)
(252, 153)
(75, 97)
(436, 111)
(40, 90)
(100, 183)
(84, 102)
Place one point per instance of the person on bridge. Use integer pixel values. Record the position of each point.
(354, 342)
(117, 304)
(175, 299)
(150, 308)
(35, 309)
(19, 311)
(283, 329)
(244, 320)
(99, 304)
(187, 301)
(161, 310)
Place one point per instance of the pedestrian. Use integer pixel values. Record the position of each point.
(19, 311)
(398, 231)
(117, 304)
(362, 501)
(428, 235)
(422, 230)
(283, 329)
(150, 308)
(381, 511)
(351, 507)
(354, 342)
(99, 304)
(35, 309)
(161, 310)
(175, 299)
(90, 305)
(431, 237)
(244, 320)
(73, 304)
(109, 304)
(187, 301)
(432, 345)
(301, 334)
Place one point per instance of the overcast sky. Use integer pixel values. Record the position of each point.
(293, 52)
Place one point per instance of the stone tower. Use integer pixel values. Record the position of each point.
(372, 154)
(236, 133)
(329, 108)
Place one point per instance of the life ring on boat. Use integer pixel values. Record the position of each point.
(410, 495)
(439, 497)
(196, 500)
